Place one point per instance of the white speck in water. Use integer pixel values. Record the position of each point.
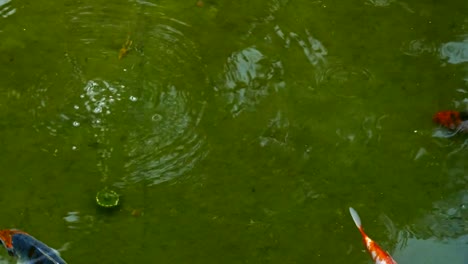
(97, 110)
(76, 123)
(74, 148)
(124, 70)
(133, 98)
(415, 131)
(72, 217)
(76, 107)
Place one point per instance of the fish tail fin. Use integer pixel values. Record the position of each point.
(356, 218)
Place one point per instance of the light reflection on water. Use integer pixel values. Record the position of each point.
(248, 78)
(314, 51)
(443, 232)
(250, 75)
(6, 8)
(455, 51)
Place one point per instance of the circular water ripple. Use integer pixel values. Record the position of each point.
(142, 110)
(170, 145)
(418, 47)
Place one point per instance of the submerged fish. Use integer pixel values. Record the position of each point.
(378, 255)
(28, 249)
(453, 120)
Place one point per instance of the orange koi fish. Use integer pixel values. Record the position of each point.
(378, 255)
(126, 47)
(453, 120)
(450, 119)
(28, 249)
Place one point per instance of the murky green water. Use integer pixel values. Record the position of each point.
(235, 131)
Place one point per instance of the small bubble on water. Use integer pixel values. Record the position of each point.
(76, 107)
(74, 148)
(156, 117)
(133, 98)
(76, 123)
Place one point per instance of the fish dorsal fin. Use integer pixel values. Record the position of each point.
(355, 216)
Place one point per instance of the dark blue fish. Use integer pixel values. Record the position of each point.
(28, 249)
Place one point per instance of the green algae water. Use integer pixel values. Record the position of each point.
(234, 131)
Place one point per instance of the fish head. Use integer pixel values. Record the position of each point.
(5, 238)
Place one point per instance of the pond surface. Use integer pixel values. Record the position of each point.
(234, 131)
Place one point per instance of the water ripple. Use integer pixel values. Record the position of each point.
(277, 132)
(418, 47)
(142, 112)
(313, 49)
(170, 146)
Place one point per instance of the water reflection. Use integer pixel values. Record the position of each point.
(443, 232)
(277, 132)
(380, 3)
(313, 49)
(386, 3)
(6, 8)
(455, 52)
(249, 77)
(76, 220)
(370, 129)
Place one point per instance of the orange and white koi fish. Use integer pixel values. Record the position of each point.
(453, 120)
(378, 255)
